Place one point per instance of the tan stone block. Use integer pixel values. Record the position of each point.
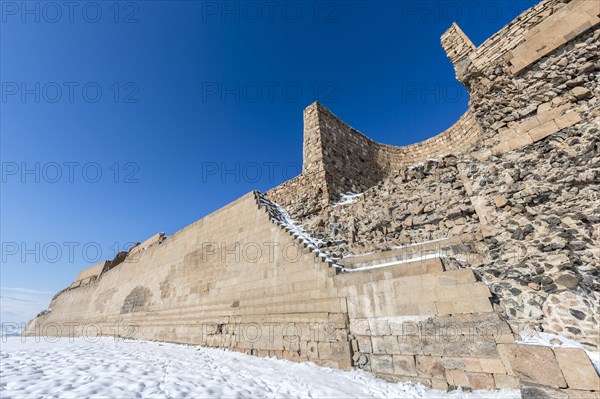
(410, 345)
(499, 149)
(526, 125)
(359, 327)
(503, 381)
(532, 363)
(324, 350)
(438, 384)
(579, 394)
(379, 327)
(382, 364)
(482, 306)
(364, 343)
(462, 307)
(427, 309)
(481, 380)
(404, 365)
(312, 351)
(543, 131)
(568, 119)
(340, 353)
(430, 367)
(456, 277)
(471, 364)
(553, 113)
(577, 369)
(519, 140)
(409, 309)
(505, 133)
(500, 201)
(453, 363)
(391, 345)
(457, 378)
(378, 344)
(494, 366)
(505, 338)
(444, 307)
(543, 108)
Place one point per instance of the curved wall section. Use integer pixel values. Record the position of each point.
(339, 159)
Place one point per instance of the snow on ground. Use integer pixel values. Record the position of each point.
(76, 367)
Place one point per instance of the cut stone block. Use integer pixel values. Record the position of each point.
(457, 378)
(364, 344)
(543, 131)
(577, 369)
(430, 366)
(532, 363)
(492, 366)
(481, 380)
(405, 365)
(568, 119)
(440, 385)
(503, 381)
(580, 92)
(382, 364)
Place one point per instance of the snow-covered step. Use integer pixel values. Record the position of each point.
(454, 246)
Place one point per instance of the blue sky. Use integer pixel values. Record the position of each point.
(119, 120)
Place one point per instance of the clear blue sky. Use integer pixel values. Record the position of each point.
(144, 93)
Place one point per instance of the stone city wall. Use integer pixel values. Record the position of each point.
(431, 273)
(417, 320)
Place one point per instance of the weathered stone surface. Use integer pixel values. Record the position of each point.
(382, 364)
(580, 92)
(577, 369)
(457, 378)
(430, 367)
(578, 394)
(481, 381)
(532, 363)
(500, 201)
(503, 381)
(404, 365)
(567, 280)
(364, 344)
(441, 385)
(536, 391)
(494, 366)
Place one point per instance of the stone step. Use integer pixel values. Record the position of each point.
(418, 251)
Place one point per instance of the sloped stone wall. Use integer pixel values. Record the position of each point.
(233, 279)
